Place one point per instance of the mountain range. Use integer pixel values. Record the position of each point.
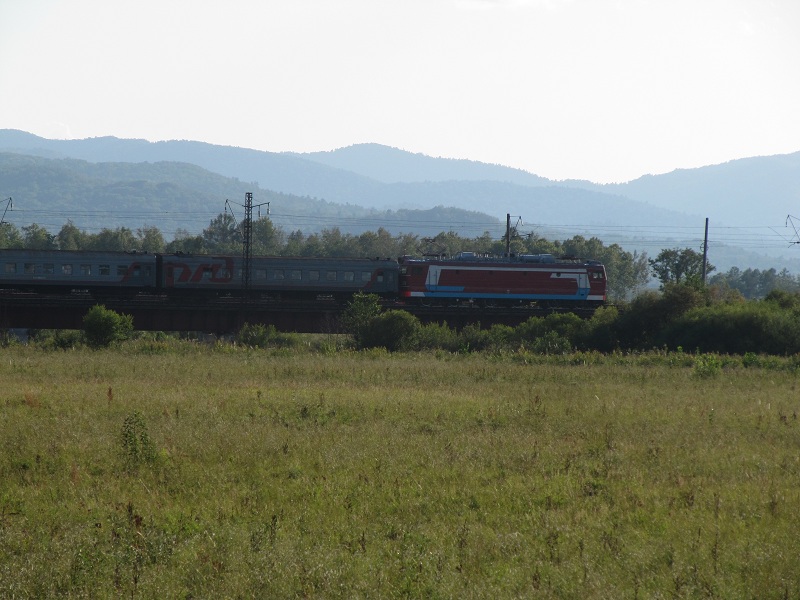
(746, 201)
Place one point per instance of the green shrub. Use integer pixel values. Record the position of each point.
(600, 331)
(103, 327)
(707, 365)
(550, 343)
(473, 338)
(438, 336)
(555, 333)
(393, 330)
(57, 339)
(257, 336)
(754, 327)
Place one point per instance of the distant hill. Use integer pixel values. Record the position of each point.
(390, 165)
(511, 190)
(173, 195)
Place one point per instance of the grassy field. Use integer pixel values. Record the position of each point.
(197, 472)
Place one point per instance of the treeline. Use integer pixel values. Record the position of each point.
(681, 318)
(755, 283)
(627, 272)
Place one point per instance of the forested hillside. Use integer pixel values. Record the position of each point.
(180, 196)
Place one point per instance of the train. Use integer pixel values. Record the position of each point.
(467, 278)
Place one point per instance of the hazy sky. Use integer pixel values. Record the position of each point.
(605, 90)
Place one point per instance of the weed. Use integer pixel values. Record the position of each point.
(137, 446)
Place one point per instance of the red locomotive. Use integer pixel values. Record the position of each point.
(531, 278)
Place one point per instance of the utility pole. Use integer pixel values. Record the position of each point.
(247, 241)
(508, 232)
(705, 252)
(508, 235)
(247, 237)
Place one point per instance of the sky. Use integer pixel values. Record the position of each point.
(604, 90)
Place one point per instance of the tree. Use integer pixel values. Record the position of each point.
(267, 239)
(10, 236)
(627, 272)
(38, 238)
(221, 235)
(150, 239)
(186, 242)
(70, 237)
(679, 266)
(358, 315)
(120, 239)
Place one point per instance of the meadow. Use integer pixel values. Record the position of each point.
(177, 470)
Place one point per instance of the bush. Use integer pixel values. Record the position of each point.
(257, 336)
(756, 327)
(550, 343)
(539, 333)
(599, 332)
(57, 339)
(393, 330)
(707, 366)
(435, 336)
(103, 327)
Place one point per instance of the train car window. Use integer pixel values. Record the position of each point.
(379, 278)
(330, 276)
(403, 270)
(597, 275)
(366, 275)
(296, 275)
(313, 275)
(261, 273)
(105, 270)
(48, 268)
(122, 270)
(277, 274)
(66, 269)
(86, 269)
(349, 276)
(30, 268)
(11, 267)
